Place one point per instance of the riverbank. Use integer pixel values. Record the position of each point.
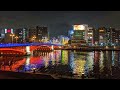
(93, 48)
(20, 75)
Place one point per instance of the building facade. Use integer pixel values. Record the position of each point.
(102, 36)
(21, 35)
(9, 35)
(79, 37)
(38, 34)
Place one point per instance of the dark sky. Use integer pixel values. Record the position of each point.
(59, 22)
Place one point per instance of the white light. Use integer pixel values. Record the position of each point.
(5, 30)
(89, 33)
(28, 49)
(11, 30)
(28, 61)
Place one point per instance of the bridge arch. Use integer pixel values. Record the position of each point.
(11, 51)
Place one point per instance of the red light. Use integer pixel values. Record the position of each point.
(8, 31)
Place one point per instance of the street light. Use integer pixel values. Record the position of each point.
(16, 37)
(12, 35)
(34, 37)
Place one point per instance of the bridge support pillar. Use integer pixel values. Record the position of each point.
(52, 47)
(28, 50)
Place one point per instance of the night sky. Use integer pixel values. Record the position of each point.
(59, 22)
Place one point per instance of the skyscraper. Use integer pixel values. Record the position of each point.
(38, 34)
(21, 35)
(79, 37)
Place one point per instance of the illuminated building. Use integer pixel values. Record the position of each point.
(2, 35)
(8, 38)
(82, 35)
(22, 34)
(117, 37)
(113, 36)
(32, 33)
(63, 39)
(79, 37)
(90, 35)
(41, 34)
(102, 36)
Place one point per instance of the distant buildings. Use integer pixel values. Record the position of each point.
(81, 35)
(38, 34)
(9, 35)
(90, 36)
(102, 31)
(63, 39)
(42, 34)
(21, 35)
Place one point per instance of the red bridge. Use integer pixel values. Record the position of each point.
(22, 49)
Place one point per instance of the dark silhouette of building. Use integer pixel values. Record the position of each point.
(38, 34)
(21, 35)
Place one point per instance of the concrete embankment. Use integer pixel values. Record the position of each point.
(20, 75)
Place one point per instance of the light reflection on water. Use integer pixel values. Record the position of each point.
(95, 64)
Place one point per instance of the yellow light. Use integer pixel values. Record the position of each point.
(79, 27)
(101, 30)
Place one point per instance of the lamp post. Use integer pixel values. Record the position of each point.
(12, 35)
(16, 37)
(34, 37)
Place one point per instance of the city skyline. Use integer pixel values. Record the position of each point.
(59, 22)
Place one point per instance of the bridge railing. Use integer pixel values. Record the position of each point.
(26, 44)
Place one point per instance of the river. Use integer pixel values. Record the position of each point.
(67, 64)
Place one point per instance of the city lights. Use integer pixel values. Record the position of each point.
(16, 37)
(12, 35)
(64, 49)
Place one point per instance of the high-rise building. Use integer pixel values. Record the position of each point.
(117, 37)
(113, 36)
(42, 33)
(32, 34)
(9, 35)
(2, 35)
(90, 36)
(79, 37)
(96, 37)
(39, 34)
(102, 36)
(21, 35)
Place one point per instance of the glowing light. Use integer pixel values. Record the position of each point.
(64, 57)
(71, 32)
(28, 49)
(79, 67)
(90, 33)
(11, 30)
(52, 47)
(101, 30)
(5, 30)
(27, 60)
(79, 27)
